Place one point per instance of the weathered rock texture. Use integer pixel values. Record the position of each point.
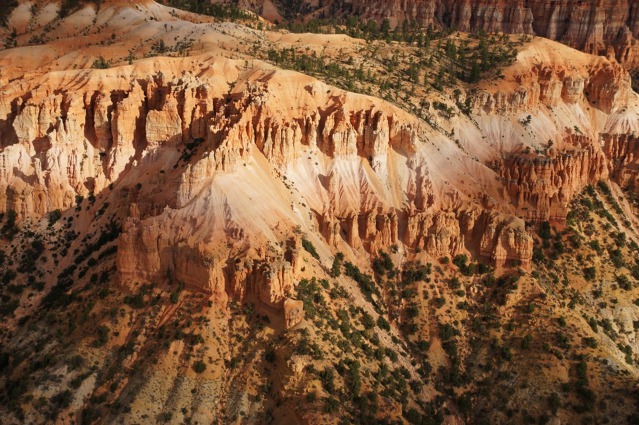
(541, 187)
(217, 182)
(622, 152)
(170, 150)
(236, 181)
(218, 169)
(569, 127)
(602, 27)
(601, 84)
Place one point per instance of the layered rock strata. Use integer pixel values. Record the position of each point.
(601, 27)
(164, 147)
(622, 153)
(542, 186)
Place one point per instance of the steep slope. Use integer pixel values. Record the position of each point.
(193, 234)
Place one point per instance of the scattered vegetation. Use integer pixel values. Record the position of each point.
(223, 11)
(199, 366)
(100, 63)
(428, 59)
(67, 7)
(310, 248)
(6, 10)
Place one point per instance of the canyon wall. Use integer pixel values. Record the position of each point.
(166, 151)
(542, 186)
(172, 154)
(622, 153)
(565, 124)
(601, 84)
(600, 27)
(218, 170)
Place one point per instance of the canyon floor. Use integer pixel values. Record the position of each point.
(211, 220)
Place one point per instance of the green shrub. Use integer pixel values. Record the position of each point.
(100, 63)
(54, 216)
(327, 377)
(382, 264)
(590, 342)
(103, 336)
(62, 400)
(7, 308)
(336, 268)
(590, 273)
(199, 366)
(175, 297)
(270, 356)
(6, 10)
(624, 282)
(383, 324)
(10, 229)
(89, 415)
(310, 248)
(365, 282)
(330, 405)
(616, 256)
(367, 321)
(545, 232)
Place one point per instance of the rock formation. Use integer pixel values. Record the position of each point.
(70, 144)
(600, 27)
(203, 236)
(173, 148)
(622, 153)
(542, 186)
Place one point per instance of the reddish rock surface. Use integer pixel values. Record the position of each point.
(602, 27)
(599, 27)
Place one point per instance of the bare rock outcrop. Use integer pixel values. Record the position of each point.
(602, 27)
(622, 153)
(506, 240)
(599, 83)
(212, 180)
(540, 187)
